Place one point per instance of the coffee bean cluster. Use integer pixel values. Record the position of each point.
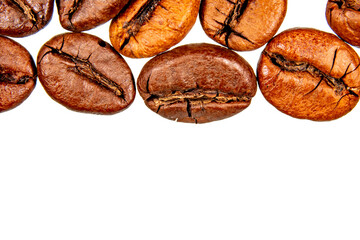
(303, 72)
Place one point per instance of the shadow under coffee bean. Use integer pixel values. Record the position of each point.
(21, 18)
(197, 83)
(310, 74)
(84, 73)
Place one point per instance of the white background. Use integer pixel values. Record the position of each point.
(135, 175)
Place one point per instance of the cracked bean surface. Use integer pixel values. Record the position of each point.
(310, 74)
(84, 73)
(343, 16)
(145, 28)
(17, 74)
(242, 24)
(197, 83)
(81, 15)
(20, 18)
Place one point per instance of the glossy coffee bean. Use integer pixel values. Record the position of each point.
(343, 16)
(197, 83)
(19, 18)
(84, 73)
(310, 74)
(17, 74)
(148, 27)
(81, 15)
(242, 24)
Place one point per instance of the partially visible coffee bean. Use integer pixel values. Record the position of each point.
(310, 74)
(81, 15)
(242, 24)
(197, 83)
(19, 18)
(343, 16)
(148, 27)
(17, 74)
(84, 73)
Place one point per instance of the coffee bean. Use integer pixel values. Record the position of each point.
(343, 17)
(148, 27)
(242, 24)
(21, 18)
(197, 83)
(84, 73)
(17, 74)
(310, 74)
(81, 15)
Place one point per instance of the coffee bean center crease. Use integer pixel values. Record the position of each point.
(27, 11)
(84, 68)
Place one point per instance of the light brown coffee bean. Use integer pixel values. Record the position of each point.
(242, 24)
(81, 15)
(310, 74)
(343, 16)
(148, 27)
(84, 73)
(17, 74)
(197, 83)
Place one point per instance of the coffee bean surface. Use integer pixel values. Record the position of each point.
(148, 27)
(343, 16)
(197, 83)
(242, 24)
(84, 73)
(81, 15)
(310, 74)
(20, 18)
(17, 74)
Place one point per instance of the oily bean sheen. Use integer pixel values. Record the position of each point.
(197, 83)
(343, 16)
(242, 24)
(85, 74)
(19, 18)
(310, 74)
(148, 27)
(17, 74)
(81, 15)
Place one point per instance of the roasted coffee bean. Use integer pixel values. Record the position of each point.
(242, 24)
(148, 27)
(81, 15)
(343, 16)
(310, 74)
(17, 74)
(19, 18)
(197, 83)
(84, 73)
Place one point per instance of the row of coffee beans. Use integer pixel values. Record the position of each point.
(305, 73)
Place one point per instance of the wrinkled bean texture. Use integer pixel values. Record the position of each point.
(20, 18)
(17, 74)
(310, 74)
(81, 15)
(242, 25)
(148, 27)
(343, 16)
(197, 83)
(84, 73)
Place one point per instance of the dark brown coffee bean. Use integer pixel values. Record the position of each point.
(84, 73)
(197, 83)
(242, 24)
(343, 16)
(19, 18)
(148, 27)
(310, 74)
(81, 15)
(17, 74)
